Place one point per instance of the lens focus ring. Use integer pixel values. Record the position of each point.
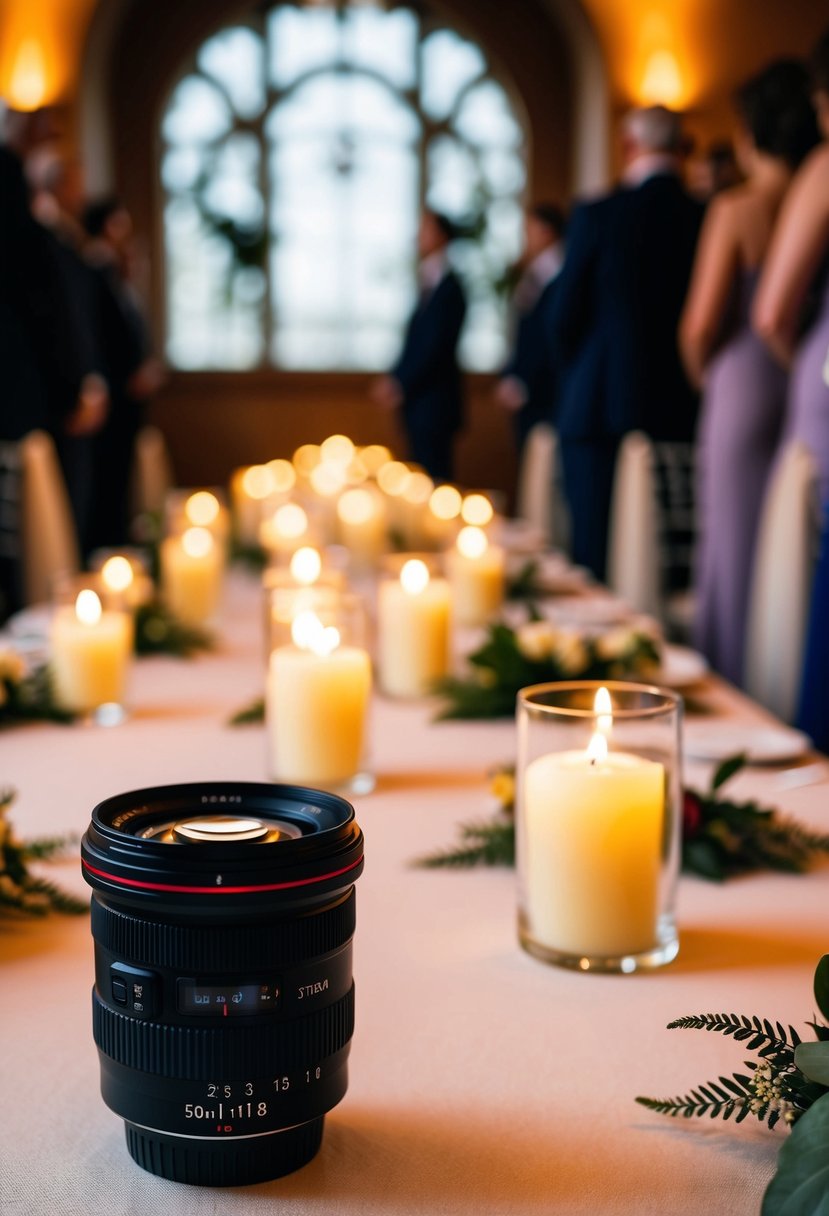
(213, 947)
(193, 1053)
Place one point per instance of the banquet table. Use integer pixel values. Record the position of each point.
(481, 1080)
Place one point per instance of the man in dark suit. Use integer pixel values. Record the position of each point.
(629, 257)
(527, 384)
(425, 383)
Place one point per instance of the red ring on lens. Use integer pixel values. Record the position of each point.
(217, 890)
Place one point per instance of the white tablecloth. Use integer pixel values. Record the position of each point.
(481, 1080)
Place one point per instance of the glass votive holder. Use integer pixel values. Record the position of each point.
(192, 571)
(318, 690)
(91, 643)
(413, 625)
(598, 819)
(125, 577)
(199, 508)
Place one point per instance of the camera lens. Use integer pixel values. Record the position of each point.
(223, 1006)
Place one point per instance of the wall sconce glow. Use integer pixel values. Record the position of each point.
(661, 81)
(27, 83)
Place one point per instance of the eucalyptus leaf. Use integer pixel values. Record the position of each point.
(813, 1061)
(801, 1185)
(822, 986)
(727, 770)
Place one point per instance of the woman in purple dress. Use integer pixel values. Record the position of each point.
(795, 287)
(744, 387)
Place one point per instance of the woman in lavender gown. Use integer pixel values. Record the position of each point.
(744, 387)
(795, 287)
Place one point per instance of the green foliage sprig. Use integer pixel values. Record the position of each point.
(791, 1083)
(157, 631)
(524, 584)
(21, 893)
(720, 838)
(249, 714)
(538, 653)
(27, 696)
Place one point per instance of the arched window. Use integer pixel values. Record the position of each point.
(297, 152)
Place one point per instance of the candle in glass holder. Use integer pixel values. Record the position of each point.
(477, 510)
(285, 531)
(362, 525)
(127, 582)
(316, 704)
(597, 829)
(249, 490)
(90, 654)
(413, 613)
(191, 575)
(476, 576)
(442, 520)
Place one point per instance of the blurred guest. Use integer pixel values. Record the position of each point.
(717, 170)
(425, 383)
(43, 380)
(132, 373)
(527, 383)
(57, 199)
(813, 716)
(616, 312)
(794, 288)
(745, 388)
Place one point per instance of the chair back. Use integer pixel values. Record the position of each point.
(49, 544)
(539, 497)
(152, 472)
(633, 551)
(781, 583)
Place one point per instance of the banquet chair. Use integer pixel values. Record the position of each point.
(49, 546)
(633, 569)
(539, 496)
(152, 472)
(787, 543)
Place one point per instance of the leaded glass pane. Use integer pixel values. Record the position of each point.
(450, 63)
(197, 113)
(235, 59)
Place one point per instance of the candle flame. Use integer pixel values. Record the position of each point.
(597, 749)
(337, 449)
(445, 503)
(356, 507)
(306, 458)
(374, 457)
(477, 509)
(328, 478)
(309, 633)
(414, 577)
(283, 474)
(472, 542)
(88, 607)
(306, 566)
(202, 508)
(197, 542)
(392, 478)
(117, 573)
(258, 481)
(290, 521)
(603, 709)
(418, 489)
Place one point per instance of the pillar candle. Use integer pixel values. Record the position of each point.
(594, 827)
(361, 516)
(476, 576)
(316, 703)
(90, 653)
(413, 631)
(191, 575)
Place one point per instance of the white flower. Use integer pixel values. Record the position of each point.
(12, 667)
(614, 644)
(570, 652)
(536, 640)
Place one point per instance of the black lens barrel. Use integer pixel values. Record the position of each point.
(223, 1008)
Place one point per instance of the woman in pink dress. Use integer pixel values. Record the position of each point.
(744, 387)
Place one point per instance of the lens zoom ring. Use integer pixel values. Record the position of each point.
(220, 947)
(194, 1053)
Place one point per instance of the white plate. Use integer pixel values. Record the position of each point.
(589, 611)
(31, 623)
(762, 744)
(681, 667)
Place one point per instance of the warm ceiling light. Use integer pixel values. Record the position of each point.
(27, 83)
(661, 80)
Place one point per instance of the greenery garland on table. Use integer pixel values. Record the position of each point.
(21, 893)
(720, 838)
(27, 696)
(158, 631)
(539, 652)
(791, 1083)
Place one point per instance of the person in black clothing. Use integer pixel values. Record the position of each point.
(132, 374)
(616, 314)
(527, 384)
(425, 383)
